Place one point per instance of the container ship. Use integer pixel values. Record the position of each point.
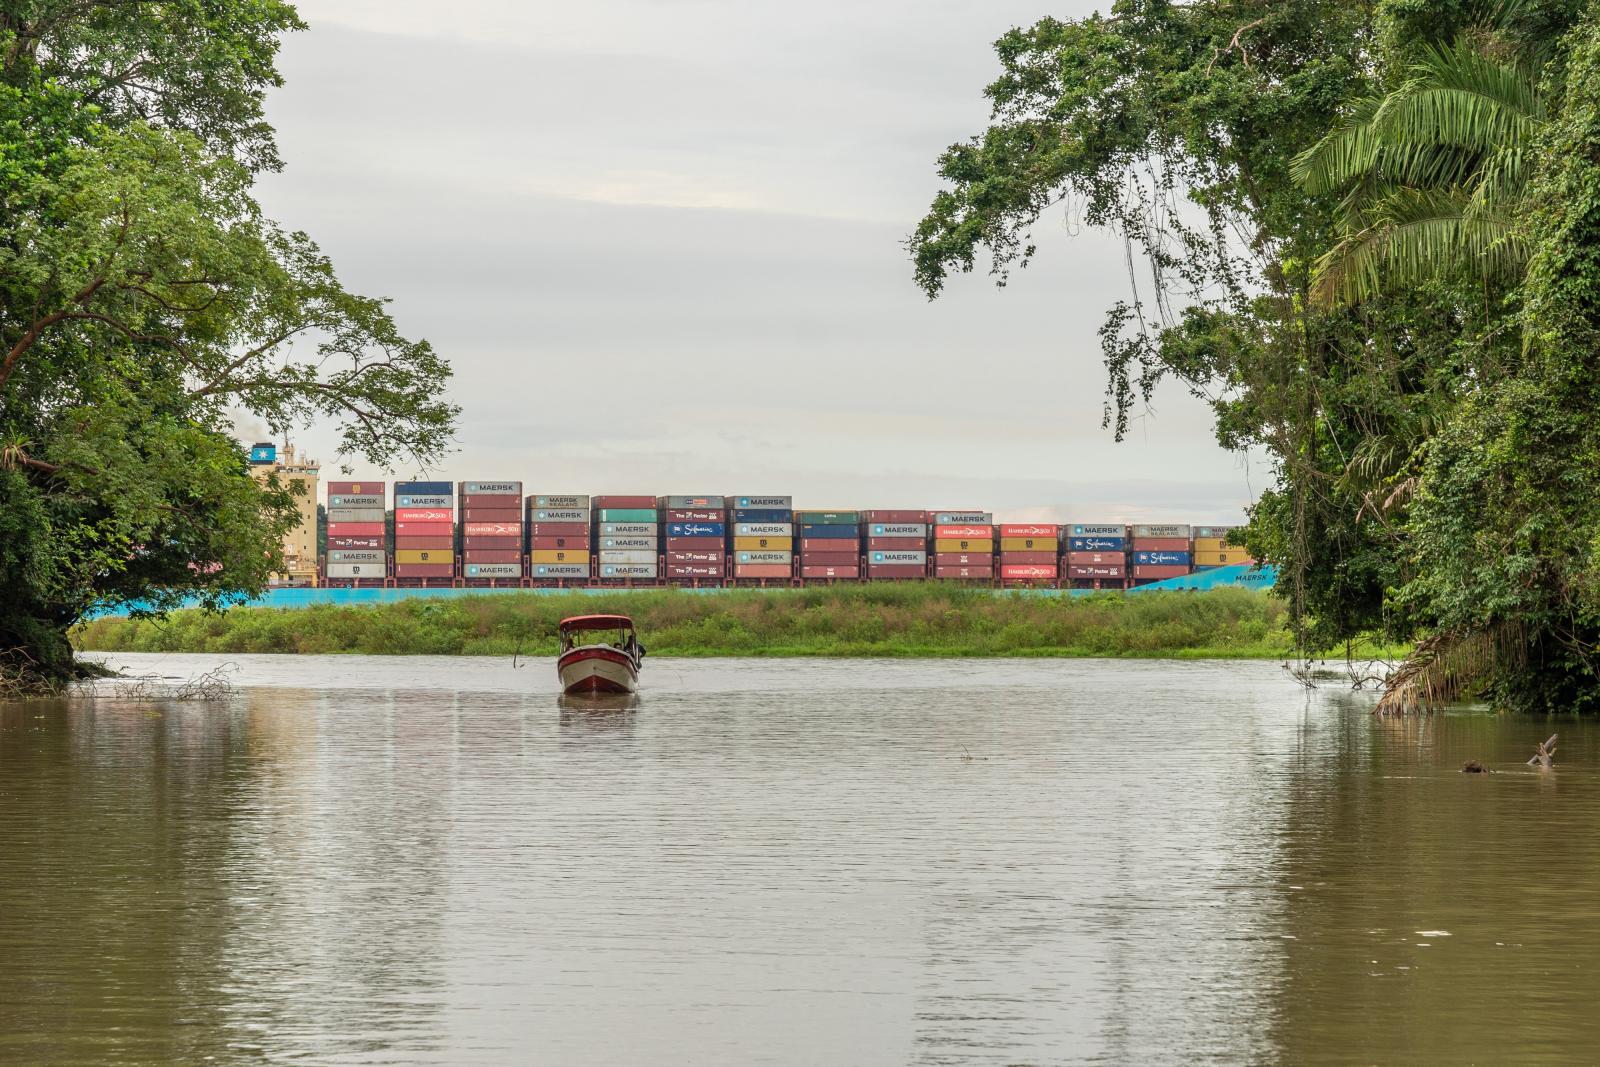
(488, 534)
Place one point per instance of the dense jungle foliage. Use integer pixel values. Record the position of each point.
(145, 303)
(1368, 235)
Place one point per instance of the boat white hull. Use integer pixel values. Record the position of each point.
(591, 670)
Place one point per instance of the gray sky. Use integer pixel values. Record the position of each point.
(660, 243)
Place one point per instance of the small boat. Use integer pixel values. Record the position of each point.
(608, 665)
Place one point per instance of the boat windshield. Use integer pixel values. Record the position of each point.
(585, 638)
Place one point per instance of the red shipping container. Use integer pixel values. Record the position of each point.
(424, 570)
(355, 529)
(693, 544)
(829, 572)
(963, 559)
(896, 544)
(423, 529)
(1160, 544)
(1094, 559)
(1104, 570)
(492, 555)
(830, 544)
(829, 559)
(963, 572)
(561, 529)
(696, 557)
(492, 500)
(897, 516)
(695, 515)
(491, 529)
(355, 542)
(693, 570)
(556, 544)
(897, 570)
(1163, 571)
(1036, 571)
(424, 515)
(619, 502)
(1028, 559)
(471, 544)
(960, 533)
(368, 488)
(761, 570)
(1029, 529)
(491, 515)
(432, 544)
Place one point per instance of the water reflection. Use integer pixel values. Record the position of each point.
(789, 862)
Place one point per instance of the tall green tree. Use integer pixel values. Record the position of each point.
(144, 300)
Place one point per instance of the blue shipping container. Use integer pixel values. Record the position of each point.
(837, 532)
(762, 515)
(1097, 544)
(697, 529)
(1162, 559)
(424, 488)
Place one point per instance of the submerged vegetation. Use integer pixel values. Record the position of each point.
(870, 620)
(1367, 234)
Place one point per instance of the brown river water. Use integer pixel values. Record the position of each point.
(355, 860)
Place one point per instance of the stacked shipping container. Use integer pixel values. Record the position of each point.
(697, 537)
(897, 544)
(763, 537)
(830, 544)
(627, 537)
(1097, 554)
(491, 531)
(424, 530)
(357, 545)
(558, 537)
(1211, 548)
(1030, 552)
(963, 544)
(1160, 552)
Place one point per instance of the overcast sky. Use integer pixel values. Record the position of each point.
(660, 241)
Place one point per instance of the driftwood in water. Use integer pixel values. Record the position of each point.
(1544, 754)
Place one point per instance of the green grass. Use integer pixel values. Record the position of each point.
(911, 620)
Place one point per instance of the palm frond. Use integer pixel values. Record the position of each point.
(1415, 235)
(1446, 667)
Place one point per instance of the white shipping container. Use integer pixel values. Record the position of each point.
(1161, 531)
(369, 500)
(1082, 529)
(560, 570)
(627, 556)
(562, 502)
(956, 518)
(766, 557)
(355, 570)
(628, 570)
(763, 529)
(494, 570)
(696, 503)
(355, 555)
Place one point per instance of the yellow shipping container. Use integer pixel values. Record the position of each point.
(560, 555)
(1217, 558)
(1214, 544)
(769, 544)
(424, 555)
(976, 544)
(1027, 544)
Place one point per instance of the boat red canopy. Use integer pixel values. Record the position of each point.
(597, 622)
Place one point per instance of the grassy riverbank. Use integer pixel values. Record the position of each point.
(872, 620)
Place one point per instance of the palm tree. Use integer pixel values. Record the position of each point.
(1434, 173)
